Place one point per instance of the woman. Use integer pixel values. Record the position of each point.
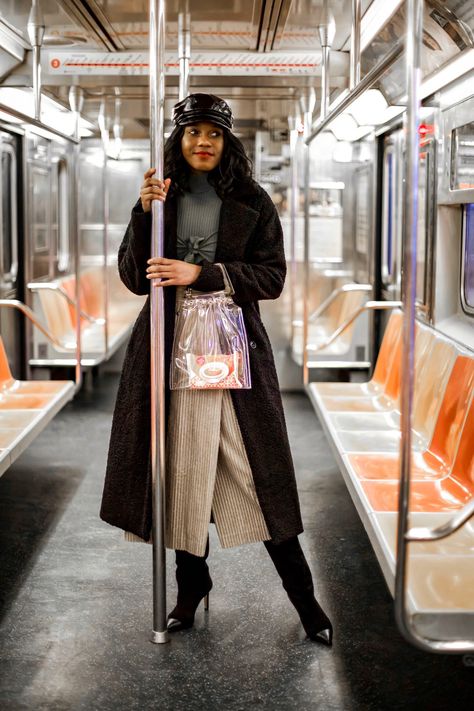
(228, 456)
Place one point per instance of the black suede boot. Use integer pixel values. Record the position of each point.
(194, 584)
(294, 571)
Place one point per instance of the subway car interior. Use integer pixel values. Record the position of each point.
(358, 116)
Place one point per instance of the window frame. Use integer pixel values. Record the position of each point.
(9, 278)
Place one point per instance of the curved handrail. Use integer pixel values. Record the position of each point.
(446, 529)
(368, 306)
(345, 288)
(26, 311)
(331, 298)
(52, 286)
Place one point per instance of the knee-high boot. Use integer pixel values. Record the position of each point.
(294, 571)
(194, 584)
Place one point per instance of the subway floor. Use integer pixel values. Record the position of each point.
(75, 599)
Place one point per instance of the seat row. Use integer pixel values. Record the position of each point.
(362, 421)
(26, 407)
(56, 300)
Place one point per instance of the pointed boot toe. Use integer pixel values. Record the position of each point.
(323, 636)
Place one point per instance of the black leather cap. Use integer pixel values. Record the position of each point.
(203, 107)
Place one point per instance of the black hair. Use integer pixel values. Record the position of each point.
(233, 167)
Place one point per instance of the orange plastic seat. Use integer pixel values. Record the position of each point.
(356, 432)
(437, 461)
(456, 488)
(8, 384)
(26, 407)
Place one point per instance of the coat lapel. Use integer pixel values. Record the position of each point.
(171, 225)
(236, 224)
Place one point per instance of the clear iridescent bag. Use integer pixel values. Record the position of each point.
(210, 347)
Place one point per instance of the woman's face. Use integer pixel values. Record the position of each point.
(202, 145)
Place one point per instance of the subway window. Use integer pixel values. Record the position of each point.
(41, 202)
(388, 204)
(467, 290)
(8, 214)
(63, 216)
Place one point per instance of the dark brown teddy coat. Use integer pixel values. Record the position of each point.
(250, 244)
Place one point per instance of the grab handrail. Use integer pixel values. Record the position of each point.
(446, 529)
(333, 296)
(26, 311)
(368, 306)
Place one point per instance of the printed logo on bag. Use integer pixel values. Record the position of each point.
(214, 371)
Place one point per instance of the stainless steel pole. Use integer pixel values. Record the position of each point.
(293, 122)
(308, 104)
(355, 45)
(410, 223)
(184, 51)
(35, 28)
(76, 101)
(327, 30)
(105, 195)
(157, 325)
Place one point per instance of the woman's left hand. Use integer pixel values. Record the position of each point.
(172, 272)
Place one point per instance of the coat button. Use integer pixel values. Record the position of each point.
(252, 344)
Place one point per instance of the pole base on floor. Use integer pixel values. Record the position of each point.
(159, 637)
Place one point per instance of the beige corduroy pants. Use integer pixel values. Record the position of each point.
(208, 470)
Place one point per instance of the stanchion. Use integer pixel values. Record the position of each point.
(157, 381)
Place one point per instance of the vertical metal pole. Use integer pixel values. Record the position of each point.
(355, 45)
(76, 99)
(35, 29)
(309, 102)
(105, 195)
(293, 122)
(410, 224)
(184, 51)
(157, 325)
(325, 81)
(327, 30)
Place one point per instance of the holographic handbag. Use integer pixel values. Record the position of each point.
(210, 347)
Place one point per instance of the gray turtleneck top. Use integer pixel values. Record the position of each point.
(198, 221)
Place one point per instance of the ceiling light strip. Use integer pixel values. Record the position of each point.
(33, 123)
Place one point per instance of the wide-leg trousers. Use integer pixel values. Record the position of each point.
(208, 474)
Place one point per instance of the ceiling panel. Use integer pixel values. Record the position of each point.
(301, 28)
(57, 22)
(214, 25)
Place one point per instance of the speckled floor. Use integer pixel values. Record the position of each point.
(75, 599)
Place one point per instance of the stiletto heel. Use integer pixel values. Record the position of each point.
(206, 602)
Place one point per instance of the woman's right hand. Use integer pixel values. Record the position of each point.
(153, 189)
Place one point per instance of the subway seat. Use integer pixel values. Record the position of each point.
(321, 329)
(363, 429)
(26, 407)
(123, 309)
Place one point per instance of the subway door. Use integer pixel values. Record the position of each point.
(10, 274)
